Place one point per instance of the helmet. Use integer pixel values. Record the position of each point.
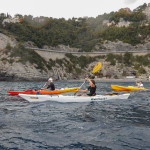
(50, 79)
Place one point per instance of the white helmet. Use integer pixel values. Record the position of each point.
(50, 79)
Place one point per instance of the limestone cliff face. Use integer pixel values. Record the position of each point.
(121, 23)
(13, 70)
(147, 12)
(18, 71)
(121, 46)
(4, 40)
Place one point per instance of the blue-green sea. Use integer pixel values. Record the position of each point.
(107, 125)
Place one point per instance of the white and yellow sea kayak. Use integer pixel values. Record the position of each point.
(64, 99)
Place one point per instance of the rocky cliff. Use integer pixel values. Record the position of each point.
(4, 40)
(70, 67)
(121, 46)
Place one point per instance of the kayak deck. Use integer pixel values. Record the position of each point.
(63, 99)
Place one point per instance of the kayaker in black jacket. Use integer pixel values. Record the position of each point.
(50, 85)
(91, 88)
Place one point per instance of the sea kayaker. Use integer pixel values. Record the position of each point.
(91, 88)
(140, 84)
(50, 85)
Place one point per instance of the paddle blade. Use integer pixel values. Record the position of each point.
(97, 67)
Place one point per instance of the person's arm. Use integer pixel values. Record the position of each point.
(137, 83)
(45, 87)
(82, 91)
(93, 85)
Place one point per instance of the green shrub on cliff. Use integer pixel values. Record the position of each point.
(128, 59)
(50, 64)
(143, 60)
(141, 70)
(28, 55)
(111, 58)
(82, 61)
(78, 70)
(4, 60)
(136, 16)
(136, 66)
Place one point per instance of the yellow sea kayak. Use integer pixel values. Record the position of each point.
(126, 88)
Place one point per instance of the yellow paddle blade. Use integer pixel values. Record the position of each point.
(97, 67)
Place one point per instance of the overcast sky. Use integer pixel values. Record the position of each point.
(66, 8)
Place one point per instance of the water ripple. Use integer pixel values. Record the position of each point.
(108, 125)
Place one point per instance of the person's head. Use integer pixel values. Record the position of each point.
(141, 82)
(92, 82)
(50, 80)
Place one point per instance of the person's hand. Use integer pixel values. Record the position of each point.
(87, 78)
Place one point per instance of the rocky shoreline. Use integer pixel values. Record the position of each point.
(12, 79)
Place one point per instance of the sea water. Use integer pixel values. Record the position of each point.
(108, 125)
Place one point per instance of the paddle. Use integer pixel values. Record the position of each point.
(41, 88)
(96, 68)
(44, 85)
(47, 83)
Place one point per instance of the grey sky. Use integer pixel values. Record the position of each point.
(66, 8)
(130, 1)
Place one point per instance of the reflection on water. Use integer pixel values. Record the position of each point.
(107, 125)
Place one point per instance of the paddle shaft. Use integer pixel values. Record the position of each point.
(80, 87)
(44, 84)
